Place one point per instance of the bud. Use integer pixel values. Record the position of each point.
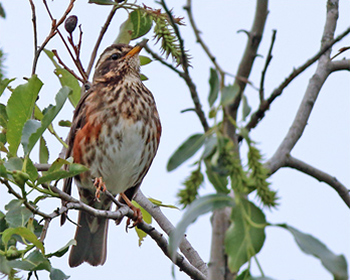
(71, 24)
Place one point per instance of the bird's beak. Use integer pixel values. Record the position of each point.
(137, 48)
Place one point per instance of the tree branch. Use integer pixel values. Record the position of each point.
(316, 82)
(320, 176)
(339, 65)
(259, 114)
(185, 247)
(246, 64)
(99, 39)
(186, 75)
(188, 8)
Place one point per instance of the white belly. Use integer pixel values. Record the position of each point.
(123, 159)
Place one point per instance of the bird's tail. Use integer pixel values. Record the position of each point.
(91, 238)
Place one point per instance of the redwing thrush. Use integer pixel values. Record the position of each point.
(115, 132)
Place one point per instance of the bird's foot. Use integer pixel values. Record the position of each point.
(137, 217)
(100, 186)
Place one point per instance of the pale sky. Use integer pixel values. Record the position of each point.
(306, 204)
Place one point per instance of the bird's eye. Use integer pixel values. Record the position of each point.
(115, 56)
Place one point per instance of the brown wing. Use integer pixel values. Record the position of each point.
(79, 120)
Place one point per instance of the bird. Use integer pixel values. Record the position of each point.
(115, 132)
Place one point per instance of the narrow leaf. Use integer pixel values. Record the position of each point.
(33, 130)
(102, 2)
(3, 116)
(4, 83)
(144, 60)
(335, 264)
(147, 218)
(218, 181)
(200, 206)
(186, 150)
(43, 151)
(60, 252)
(228, 94)
(19, 109)
(142, 23)
(74, 169)
(214, 86)
(34, 261)
(246, 235)
(66, 79)
(246, 108)
(56, 274)
(125, 32)
(17, 215)
(25, 233)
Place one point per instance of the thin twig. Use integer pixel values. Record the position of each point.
(99, 39)
(66, 67)
(188, 8)
(35, 31)
(53, 31)
(267, 63)
(162, 61)
(186, 76)
(185, 247)
(259, 114)
(321, 176)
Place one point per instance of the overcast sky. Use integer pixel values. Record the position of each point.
(306, 204)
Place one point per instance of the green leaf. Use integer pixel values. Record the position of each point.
(65, 123)
(144, 60)
(33, 130)
(200, 206)
(143, 77)
(246, 235)
(25, 233)
(35, 261)
(3, 116)
(14, 163)
(43, 151)
(218, 181)
(214, 86)
(31, 170)
(60, 252)
(161, 204)
(186, 150)
(246, 108)
(229, 93)
(125, 32)
(5, 268)
(17, 215)
(56, 274)
(210, 145)
(335, 264)
(147, 218)
(102, 2)
(2, 12)
(19, 109)
(74, 169)
(4, 83)
(142, 23)
(66, 79)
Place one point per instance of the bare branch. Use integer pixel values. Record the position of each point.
(311, 94)
(99, 39)
(53, 31)
(188, 8)
(66, 67)
(185, 247)
(321, 176)
(246, 64)
(259, 114)
(339, 65)
(267, 63)
(35, 31)
(162, 61)
(186, 76)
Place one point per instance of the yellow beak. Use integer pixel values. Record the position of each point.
(137, 48)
